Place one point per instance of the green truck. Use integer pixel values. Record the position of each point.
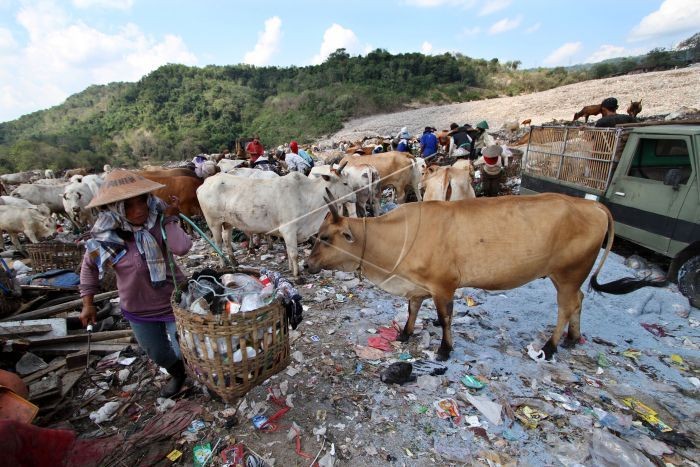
(648, 175)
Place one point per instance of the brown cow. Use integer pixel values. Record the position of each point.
(526, 122)
(444, 140)
(79, 171)
(635, 108)
(181, 186)
(587, 111)
(447, 184)
(396, 169)
(167, 172)
(397, 253)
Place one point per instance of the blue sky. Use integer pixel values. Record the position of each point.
(51, 49)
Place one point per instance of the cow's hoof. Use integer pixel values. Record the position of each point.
(403, 337)
(442, 355)
(300, 280)
(549, 350)
(569, 343)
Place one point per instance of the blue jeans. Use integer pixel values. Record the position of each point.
(159, 340)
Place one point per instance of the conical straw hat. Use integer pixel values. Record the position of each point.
(120, 185)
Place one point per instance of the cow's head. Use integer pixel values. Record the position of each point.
(338, 187)
(339, 242)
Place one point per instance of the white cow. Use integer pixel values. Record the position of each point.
(49, 181)
(48, 173)
(12, 201)
(29, 221)
(447, 184)
(364, 180)
(291, 206)
(77, 195)
(253, 173)
(228, 164)
(50, 195)
(20, 177)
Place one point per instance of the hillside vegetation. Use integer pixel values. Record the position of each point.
(178, 111)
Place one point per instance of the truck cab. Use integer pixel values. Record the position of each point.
(647, 176)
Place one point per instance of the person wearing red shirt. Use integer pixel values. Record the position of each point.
(254, 149)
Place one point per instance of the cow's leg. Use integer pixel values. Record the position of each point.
(568, 300)
(414, 304)
(416, 190)
(14, 238)
(216, 229)
(444, 304)
(290, 241)
(574, 331)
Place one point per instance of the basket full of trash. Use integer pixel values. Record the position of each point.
(234, 327)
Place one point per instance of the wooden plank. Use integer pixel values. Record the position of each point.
(55, 364)
(69, 379)
(9, 331)
(59, 326)
(72, 347)
(82, 337)
(77, 359)
(52, 310)
(45, 388)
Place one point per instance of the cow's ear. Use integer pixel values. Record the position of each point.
(326, 178)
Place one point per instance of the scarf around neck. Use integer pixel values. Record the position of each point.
(106, 246)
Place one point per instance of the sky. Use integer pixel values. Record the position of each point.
(51, 49)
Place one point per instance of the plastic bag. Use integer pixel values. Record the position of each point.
(610, 451)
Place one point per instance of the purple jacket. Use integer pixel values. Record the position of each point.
(137, 297)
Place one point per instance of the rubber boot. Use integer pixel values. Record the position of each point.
(172, 387)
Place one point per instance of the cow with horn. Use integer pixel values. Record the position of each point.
(397, 253)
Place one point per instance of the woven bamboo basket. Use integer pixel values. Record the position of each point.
(211, 346)
(54, 255)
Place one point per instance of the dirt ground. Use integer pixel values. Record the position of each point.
(339, 401)
(661, 93)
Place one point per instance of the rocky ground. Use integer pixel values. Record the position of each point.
(642, 347)
(661, 92)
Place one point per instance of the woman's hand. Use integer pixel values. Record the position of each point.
(88, 315)
(173, 209)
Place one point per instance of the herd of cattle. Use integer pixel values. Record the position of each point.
(231, 196)
(396, 251)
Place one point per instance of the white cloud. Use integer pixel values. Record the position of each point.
(114, 4)
(672, 17)
(560, 56)
(337, 37)
(426, 48)
(533, 28)
(6, 39)
(62, 56)
(442, 3)
(468, 32)
(506, 24)
(605, 52)
(493, 6)
(268, 43)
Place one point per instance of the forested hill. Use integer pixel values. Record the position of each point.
(177, 111)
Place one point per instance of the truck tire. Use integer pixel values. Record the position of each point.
(689, 280)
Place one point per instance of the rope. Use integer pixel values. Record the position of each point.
(204, 236)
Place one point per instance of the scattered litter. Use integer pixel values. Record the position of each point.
(655, 329)
(196, 425)
(632, 354)
(369, 353)
(298, 356)
(489, 409)
(472, 382)
(646, 413)
(105, 413)
(603, 361)
(163, 404)
(201, 454)
(174, 455)
(398, 373)
(529, 416)
(126, 361)
(380, 343)
(447, 408)
(536, 355)
(608, 449)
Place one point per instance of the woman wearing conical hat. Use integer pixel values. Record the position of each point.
(127, 237)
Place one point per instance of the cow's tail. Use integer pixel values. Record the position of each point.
(620, 286)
